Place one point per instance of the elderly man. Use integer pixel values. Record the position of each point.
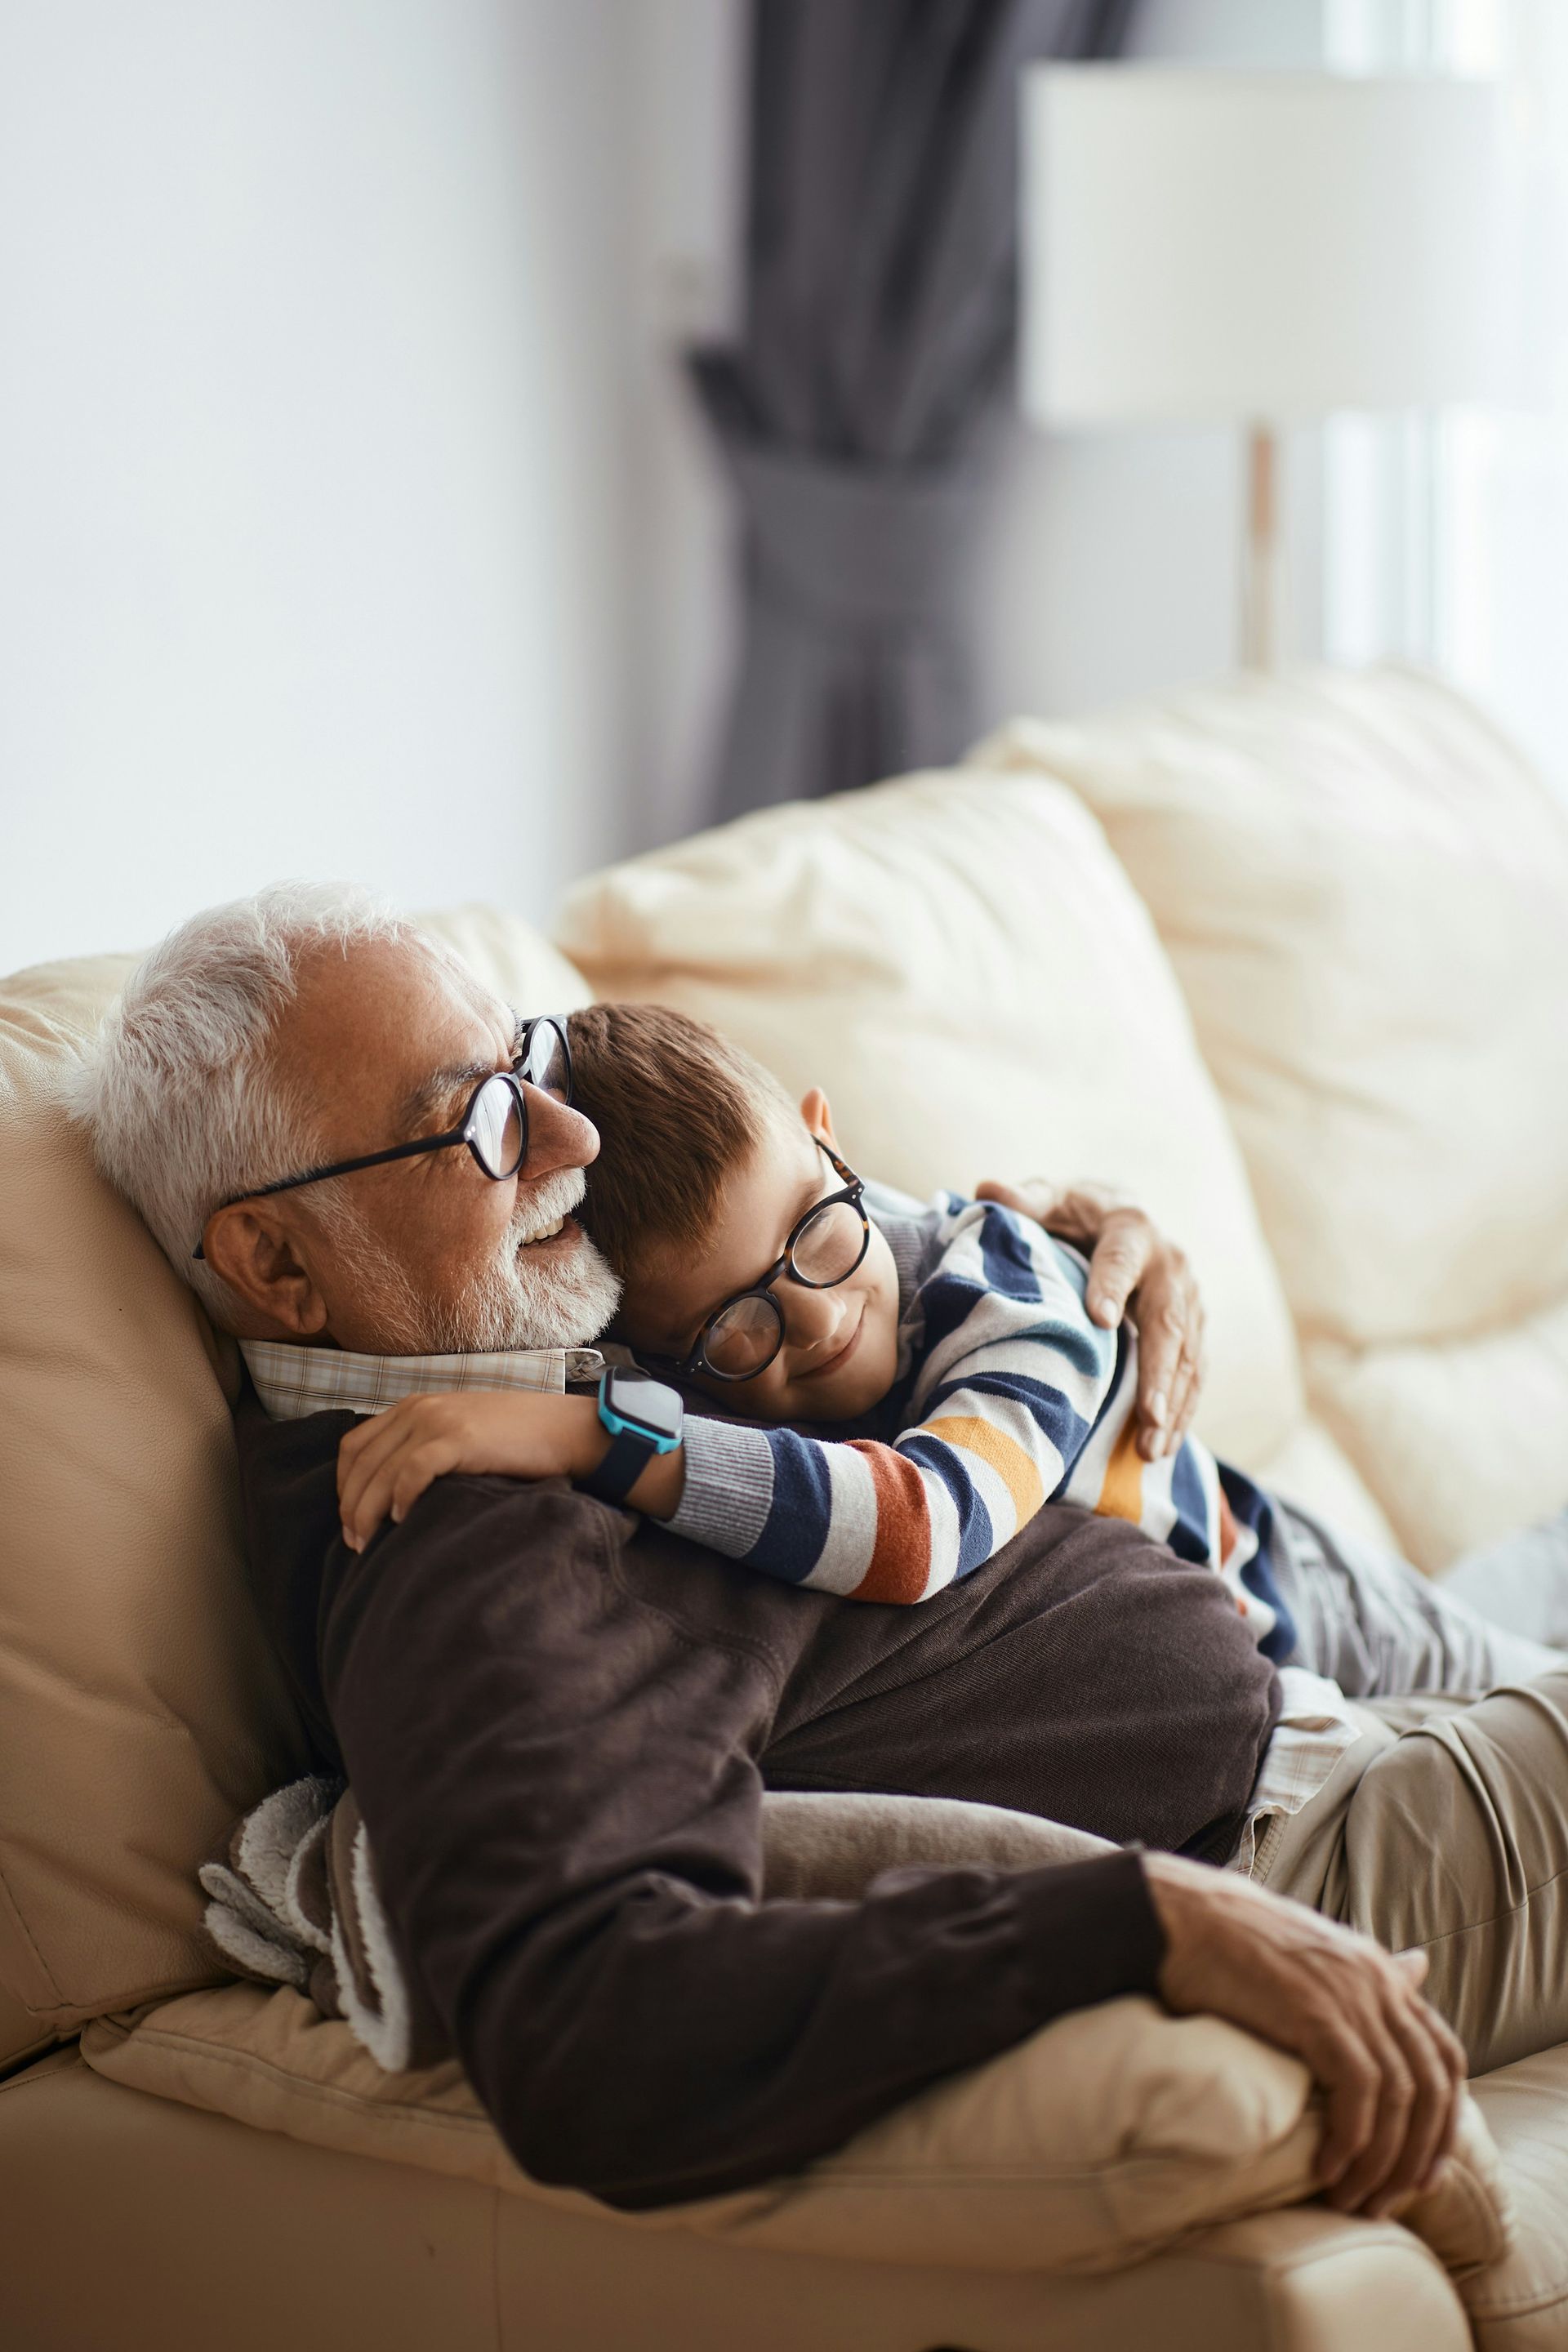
(559, 1723)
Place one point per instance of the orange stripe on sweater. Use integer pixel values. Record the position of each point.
(1122, 1495)
(901, 1554)
(1018, 1471)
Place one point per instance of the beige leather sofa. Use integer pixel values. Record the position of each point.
(1288, 960)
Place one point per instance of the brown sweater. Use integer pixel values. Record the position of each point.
(559, 1721)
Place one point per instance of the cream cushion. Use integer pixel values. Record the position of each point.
(1103, 2138)
(1363, 890)
(1311, 1469)
(960, 961)
(140, 1708)
(1465, 1438)
(1520, 2304)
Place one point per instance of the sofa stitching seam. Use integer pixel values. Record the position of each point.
(1530, 2299)
(15, 1909)
(32, 2075)
(328, 2093)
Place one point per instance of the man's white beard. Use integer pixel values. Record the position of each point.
(552, 1299)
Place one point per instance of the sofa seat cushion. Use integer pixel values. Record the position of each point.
(1521, 2303)
(205, 2234)
(140, 1708)
(1104, 2137)
(961, 962)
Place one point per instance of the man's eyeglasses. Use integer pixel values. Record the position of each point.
(741, 1337)
(494, 1125)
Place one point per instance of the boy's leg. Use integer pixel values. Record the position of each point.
(1452, 1837)
(1380, 1629)
(1520, 1583)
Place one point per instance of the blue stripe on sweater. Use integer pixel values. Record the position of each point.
(1189, 1539)
(1006, 1256)
(947, 1297)
(948, 1300)
(790, 1544)
(1258, 1576)
(1047, 1408)
(976, 1537)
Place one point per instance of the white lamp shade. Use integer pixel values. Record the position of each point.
(1219, 245)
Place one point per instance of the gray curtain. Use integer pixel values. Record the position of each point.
(878, 341)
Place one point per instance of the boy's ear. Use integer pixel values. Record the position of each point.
(814, 1109)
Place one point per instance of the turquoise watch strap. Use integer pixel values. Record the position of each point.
(633, 1444)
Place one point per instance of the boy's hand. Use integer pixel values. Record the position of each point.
(385, 1464)
(1132, 1267)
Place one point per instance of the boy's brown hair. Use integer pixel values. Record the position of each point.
(678, 1107)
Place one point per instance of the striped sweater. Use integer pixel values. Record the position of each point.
(1008, 1397)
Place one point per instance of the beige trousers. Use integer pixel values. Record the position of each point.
(1445, 1827)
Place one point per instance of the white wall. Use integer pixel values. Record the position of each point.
(313, 438)
(685, 267)
(354, 516)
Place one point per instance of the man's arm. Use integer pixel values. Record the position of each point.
(1389, 2068)
(556, 1766)
(1132, 1267)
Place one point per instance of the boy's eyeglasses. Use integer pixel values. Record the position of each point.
(741, 1337)
(494, 1125)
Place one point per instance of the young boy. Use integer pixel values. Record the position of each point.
(952, 1343)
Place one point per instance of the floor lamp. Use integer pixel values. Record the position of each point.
(1257, 249)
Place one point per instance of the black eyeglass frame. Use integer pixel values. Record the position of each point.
(464, 1132)
(696, 1361)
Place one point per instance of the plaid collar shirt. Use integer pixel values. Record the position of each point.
(292, 1381)
(1314, 1729)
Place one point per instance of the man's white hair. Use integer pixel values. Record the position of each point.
(177, 1092)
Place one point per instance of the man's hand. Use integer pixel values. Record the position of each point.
(1132, 1267)
(1390, 2070)
(385, 1463)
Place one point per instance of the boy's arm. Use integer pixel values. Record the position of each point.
(1014, 1377)
(388, 1459)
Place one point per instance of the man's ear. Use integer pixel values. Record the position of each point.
(250, 1248)
(814, 1109)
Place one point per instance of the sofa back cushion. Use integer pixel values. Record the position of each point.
(1365, 892)
(139, 1710)
(961, 962)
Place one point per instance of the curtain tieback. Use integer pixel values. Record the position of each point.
(861, 547)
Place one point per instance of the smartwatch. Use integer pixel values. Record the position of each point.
(644, 1417)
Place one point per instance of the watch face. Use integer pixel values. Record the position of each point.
(648, 1404)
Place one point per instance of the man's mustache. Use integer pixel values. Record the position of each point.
(545, 1204)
